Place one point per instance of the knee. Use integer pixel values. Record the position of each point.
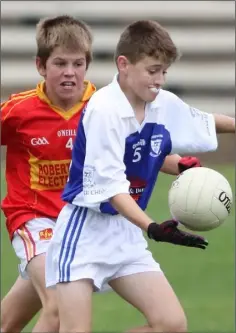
(8, 325)
(177, 326)
(172, 325)
(8, 328)
(50, 315)
(50, 310)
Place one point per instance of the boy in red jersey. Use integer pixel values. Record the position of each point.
(38, 127)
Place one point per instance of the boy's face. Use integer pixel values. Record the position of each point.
(64, 76)
(146, 77)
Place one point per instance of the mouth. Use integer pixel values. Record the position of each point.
(155, 90)
(67, 84)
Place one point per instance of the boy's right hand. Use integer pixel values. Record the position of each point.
(168, 232)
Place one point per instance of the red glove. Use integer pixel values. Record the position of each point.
(188, 162)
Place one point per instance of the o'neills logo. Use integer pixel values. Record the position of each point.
(66, 132)
(223, 197)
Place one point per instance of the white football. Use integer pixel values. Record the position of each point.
(200, 199)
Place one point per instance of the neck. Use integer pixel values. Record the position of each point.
(65, 105)
(137, 103)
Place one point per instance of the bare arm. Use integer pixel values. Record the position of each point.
(127, 207)
(170, 165)
(224, 124)
(164, 232)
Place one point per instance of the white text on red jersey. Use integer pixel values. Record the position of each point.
(66, 132)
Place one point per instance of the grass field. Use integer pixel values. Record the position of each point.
(203, 280)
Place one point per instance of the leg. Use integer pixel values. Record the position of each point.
(152, 295)
(48, 320)
(75, 305)
(19, 306)
(30, 243)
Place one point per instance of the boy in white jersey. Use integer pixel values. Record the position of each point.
(125, 133)
(22, 302)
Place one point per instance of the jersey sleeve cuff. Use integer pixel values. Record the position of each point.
(213, 144)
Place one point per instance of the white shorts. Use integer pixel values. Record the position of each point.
(32, 239)
(100, 247)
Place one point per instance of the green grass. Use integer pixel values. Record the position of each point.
(203, 280)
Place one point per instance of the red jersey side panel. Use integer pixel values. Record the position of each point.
(10, 118)
(39, 139)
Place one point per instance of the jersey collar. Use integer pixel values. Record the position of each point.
(89, 90)
(126, 110)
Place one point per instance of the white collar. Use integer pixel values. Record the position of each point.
(126, 110)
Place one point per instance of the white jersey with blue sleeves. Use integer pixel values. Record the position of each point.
(114, 154)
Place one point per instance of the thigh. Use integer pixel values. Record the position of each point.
(36, 273)
(151, 294)
(22, 302)
(75, 305)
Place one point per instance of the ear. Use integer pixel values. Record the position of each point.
(122, 64)
(40, 67)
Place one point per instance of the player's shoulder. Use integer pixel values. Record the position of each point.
(167, 97)
(19, 101)
(101, 96)
(102, 102)
(111, 102)
(170, 103)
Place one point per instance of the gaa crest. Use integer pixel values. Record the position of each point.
(156, 141)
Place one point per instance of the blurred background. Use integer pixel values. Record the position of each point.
(204, 31)
(204, 77)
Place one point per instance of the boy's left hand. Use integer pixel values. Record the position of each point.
(188, 162)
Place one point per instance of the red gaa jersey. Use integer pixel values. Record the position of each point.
(39, 137)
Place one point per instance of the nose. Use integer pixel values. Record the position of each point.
(159, 79)
(69, 71)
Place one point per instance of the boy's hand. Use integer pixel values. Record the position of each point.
(188, 162)
(168, 232)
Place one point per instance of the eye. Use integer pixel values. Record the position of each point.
(79, 64)
(60, 64)
(155, 71)
(152, 71)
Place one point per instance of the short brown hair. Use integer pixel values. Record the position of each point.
(63, 31)
(146, 38)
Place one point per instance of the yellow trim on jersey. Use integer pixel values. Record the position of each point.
(27, 92)
(89, 90)
(22, 95)
(18, 100)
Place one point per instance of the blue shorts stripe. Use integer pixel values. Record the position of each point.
(68, 246)
(75, 243)
(65, 239)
